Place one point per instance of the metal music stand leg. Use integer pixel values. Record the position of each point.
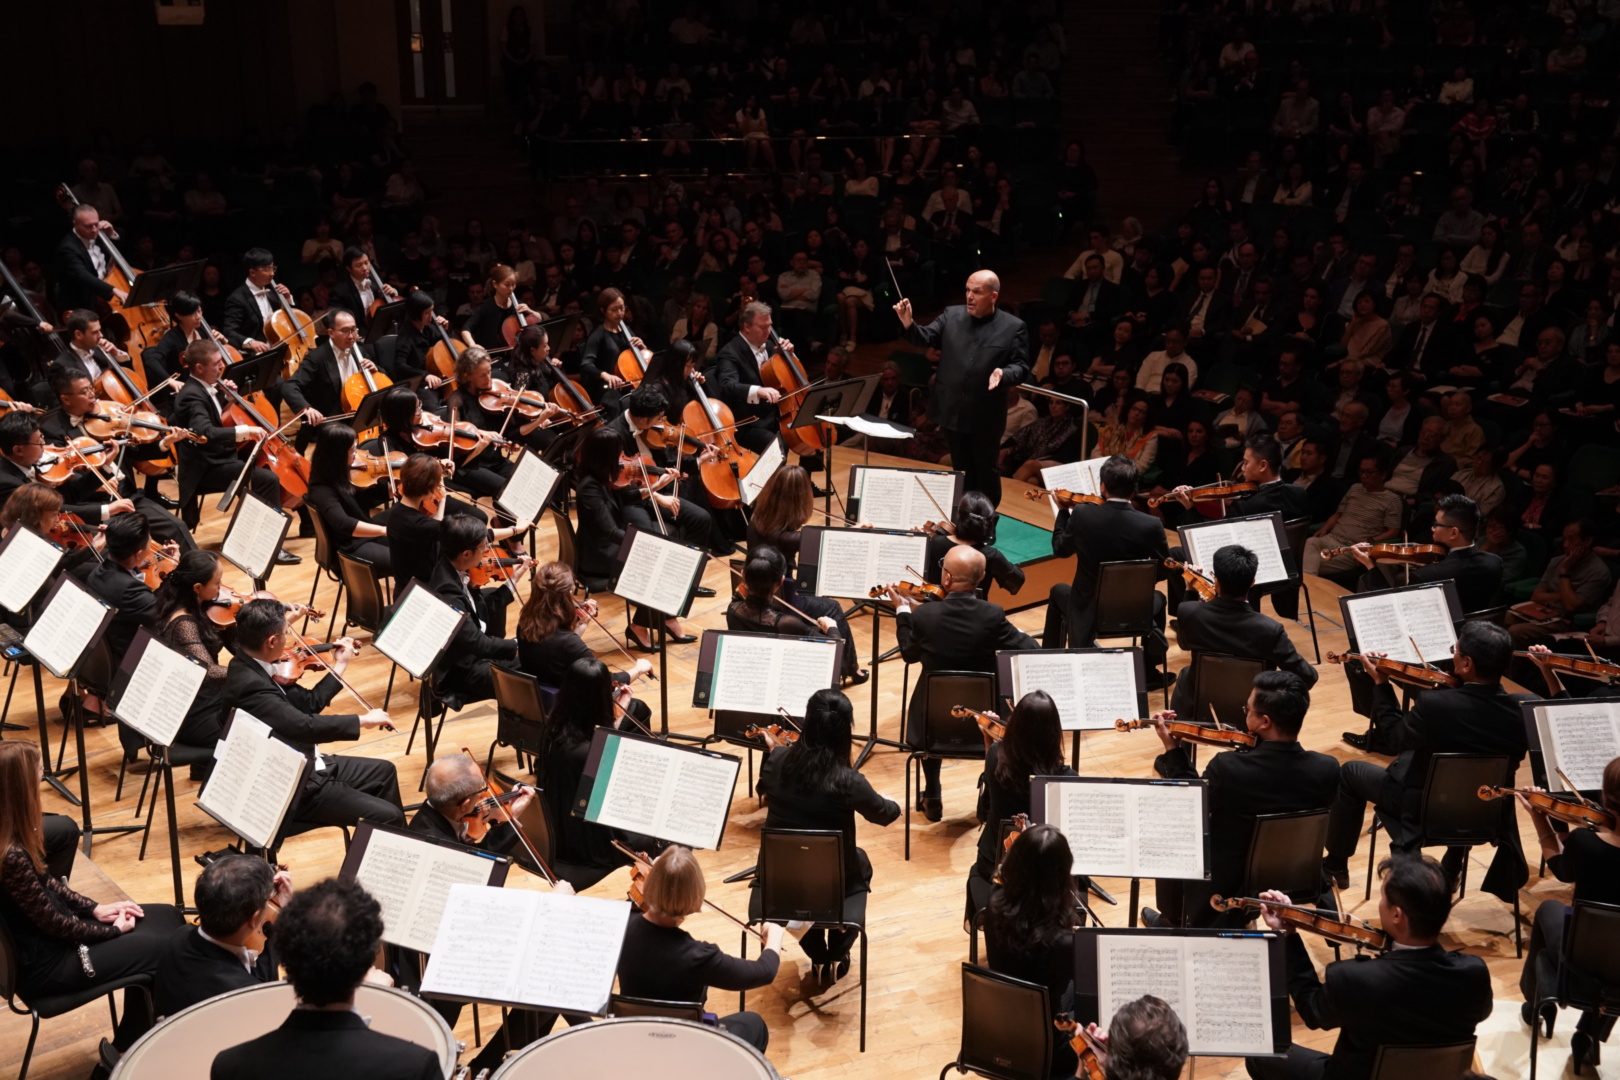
(88, 829)
(53, 776)
(826, 463)
(1136, 899)
(873, 740)
(663, 690)
(167, 779)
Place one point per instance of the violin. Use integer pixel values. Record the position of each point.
(1223, 489)
(59, 464)
(1020, 822)
(1065, 498)
(1205, 587)
(223, 608)
(662, 436)
(1187, 731)
(910, 592)
(1572, 810)
(517, 826)
(434, 432)
(634, 469)
(1086, 1047)
(368, 468)
(777, 732)
(477, 823)
(995, 730)
(72, 534)
(784, 373)
(1420, 675)
(632, 363)
(711, 422)
(502, 396)
(1593, 668)
(157, 564)
(494, 568)
(1399, 553)
(1344, 929)
(304, 656)
(136, 425)
(641, 866)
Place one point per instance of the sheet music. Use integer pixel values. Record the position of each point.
(64, 629)
(662, 791)
(1079, 477)
(891, 498)
(525, 494)
(853, 562)
(770, 459)
(160, 692)
(1580, 737)
(255, 779)
(1091, 690)
(254, 537)
(1219, 987)
(25, 565)
(419, 630)
(1256, 534)
(1388, 623)
(411, 879)
(658, 573)
(1130, 830)
(541, 949)
(873, 428)
(756, 674)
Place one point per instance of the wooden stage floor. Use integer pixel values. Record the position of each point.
(915, 913)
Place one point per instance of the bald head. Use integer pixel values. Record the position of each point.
(964, 567)
(982, 289)
(452, 780)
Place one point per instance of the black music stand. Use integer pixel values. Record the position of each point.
(157, 286)
(562, 333)
(56, 775)
(258, 372)
(386, 321)
(664, 616)
(845, 398)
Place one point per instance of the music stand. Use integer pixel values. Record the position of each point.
(634, 544)
(365, 413)
(258, 372)
(562, 333)
(386, 321)
(157, 286)
(844, 398)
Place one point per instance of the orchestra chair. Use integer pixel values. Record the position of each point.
(520, 717)
(290, 829)
(1585, 974)
(623, 1005)
(568, 553)
(45, 1008)
(1450, 1062)
(368, 606)
(978, 894)
(1221, 682)
(1297, 531)
(541, 828)
(800, 878)
(1453, 815)
(1285, 853)
(433, 709)
(1124, 605)
(1006, 1027)
(326, 566)
(944, 735)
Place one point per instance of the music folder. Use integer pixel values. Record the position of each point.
(258, 371)
(1128, 827)
(1391, 620)
(71, 620)
(1578, 735)
(660, 789)
(1091, 687)
(256, 533)
(27, 561)
(419, 630)
(1263, 534)
(154, 687)
(745, 672)
(659, 573)
(849, 563)
(888, 497)
(410, 874)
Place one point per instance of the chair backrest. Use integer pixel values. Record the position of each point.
(1125, 597)
(1453, 812)
(1449, 1062)
(621, 1005)
(566, 549)
(1285, 853)
(1006, 1026)
(323, 545)
(520, 711)
(801, 875)
(1296, 531)
(364, 592)
(1591, 954)
(1223, 682)
(943, 733)
(541, 829)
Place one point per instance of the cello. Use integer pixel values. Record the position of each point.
(291, 467)
(784, 373)
(363, 382)
(632, 363)
(146, 323)
(711, 422)
(287, 325)
(442, 356)
(382, 293)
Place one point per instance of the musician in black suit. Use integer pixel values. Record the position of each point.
(1478, 717)
(326, 939)
(118, 580)
(316, 388)
(1478, 573)
(21, 447)
(236, 895)
(1262, 467)
(81, 263)
(1417, 993)
(959, 633)
(738, 380)
(463, 673)
(336, 790)
(356, 291)
(1278, 776)
(249, 307)
(983, 352)
(162, 358)
(1227, 624)
(1113, 532)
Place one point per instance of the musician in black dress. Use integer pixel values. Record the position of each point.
(810, 784)
(550, 625)
(598, 369)
(478, 470)
(422, 328)
(663, 962)
(181, 616)
(344, 508)
(973, 525)
(485, 326)
(764, 611)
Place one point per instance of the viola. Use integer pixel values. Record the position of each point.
(1205, 587)
(1344, 929)
(1187, 731)
(784, 373)
(1572, 810)
(223, 608)
(1419, 675)
(1065, 498)
(71, 533)
(1400, 553)
(1587, 668)
(635, 469)
(477, 821)
(908, 591)
(1224, 489)
(1086, 1047)
(368, 468)
(711, 422)
(777, 732)
(994, 729)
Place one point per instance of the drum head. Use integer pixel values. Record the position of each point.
(639, 1046)
(183, 1047)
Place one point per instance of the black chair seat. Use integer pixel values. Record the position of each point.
(180, 754)
(57, 1004)
(854, 907)
(596, 584)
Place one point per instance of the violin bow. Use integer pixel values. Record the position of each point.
(1573, 790)
(617, 644)
(106, 485)
(1419, 652)
(916, 575)
(795, 611)
(624, 712)
(173, 381)
(1217, 718)
(943, 516)
(330, 670)
(790, 721)
(517, 827)
(647, 485)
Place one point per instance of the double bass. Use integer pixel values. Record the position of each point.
(711, 422)
(783, 373)
(146, 323)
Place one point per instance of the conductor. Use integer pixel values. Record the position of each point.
(981, 349)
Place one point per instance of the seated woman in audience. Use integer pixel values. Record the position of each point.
(1366, 336)
(1485, 361)
(181, 616)
(1502, 540)
(1589, 859)
(1113, 400)
(67, 943)
(1587, 337)
(1544, 443)
(1597, 393)
(1029, 924)
(1399, 424)
(1033, 746)
(1242, 420)
(1156, 306)
(1169, 411)
(663, 962)
(1133, 438)
(972, 525)
(1120, 350)
(1308, 325)
(549, 628)
(341, 506)
(1051, 440)
(764, 610)
(1205, 463)
(1543, 507)
(810, 784)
